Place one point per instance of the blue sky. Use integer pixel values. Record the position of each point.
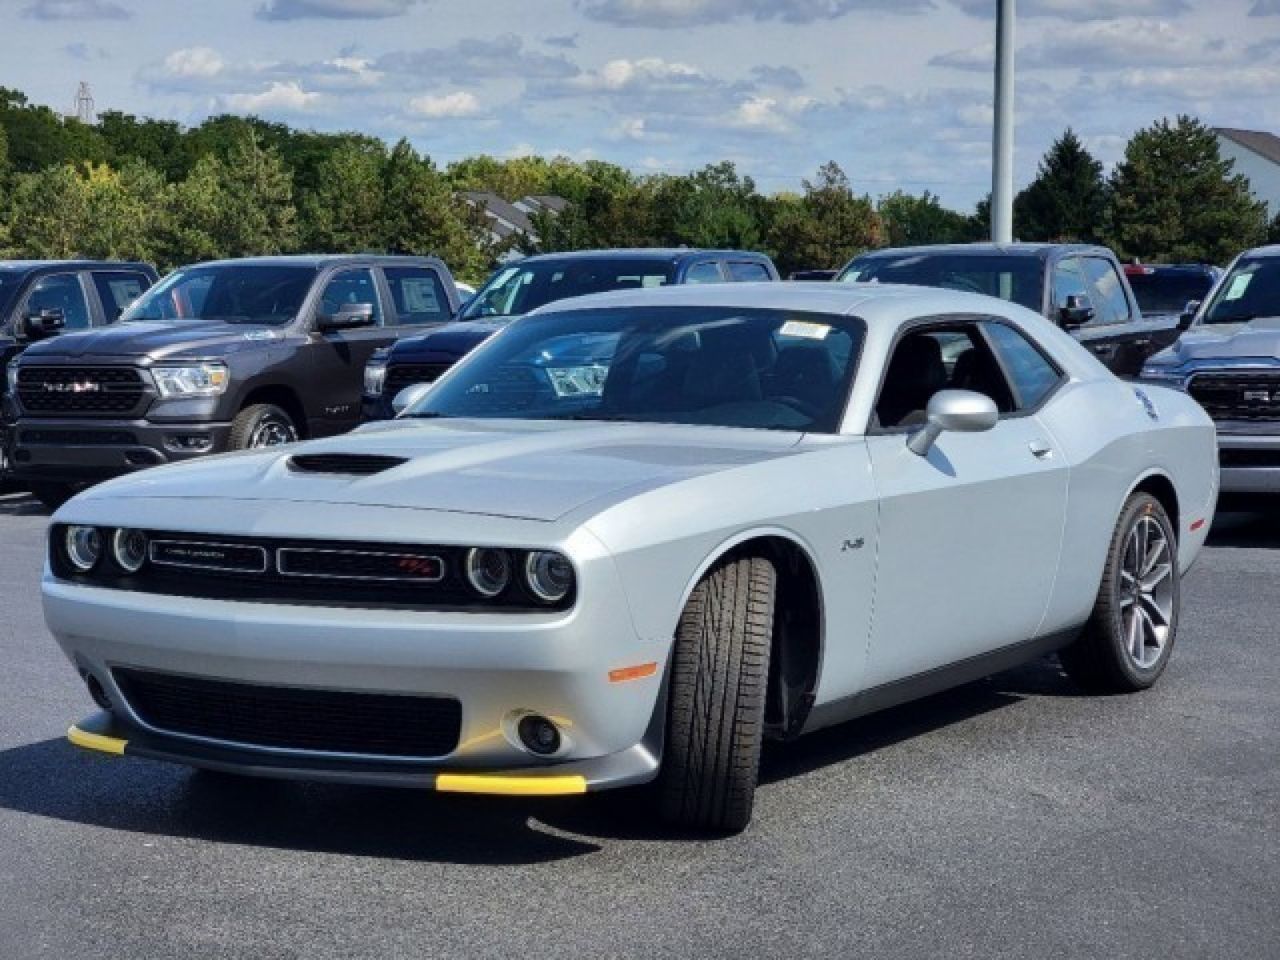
(897, 91)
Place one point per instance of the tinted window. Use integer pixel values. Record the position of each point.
(1108, 290)
(1015, 278)
(748, 272)
(60, 291)
(933, 359)
(521, 288)
(1032, 374)
(1167, 292)
(418, 294)
(716, 366)
(1068, 281)
(118, 290)
(233, 293)
(706, 272)
(1249, 291)
(348, 288)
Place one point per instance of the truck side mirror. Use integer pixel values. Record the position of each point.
(348, 315)
(40, 326)
(1188, 314)
(1076, 311)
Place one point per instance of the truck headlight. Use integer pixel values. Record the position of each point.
(1168, 376)
(11, 375)
(375, 376)
(195, 380)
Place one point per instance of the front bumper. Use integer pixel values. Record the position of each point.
(67, 450)
(1249, 461)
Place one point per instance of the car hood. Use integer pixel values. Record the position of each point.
(1259, 339)
(158, 341)
(518, 469)
(451, 341)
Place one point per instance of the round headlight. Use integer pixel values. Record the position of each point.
(549, 575)
(129, 547)
(84, 547)
(489, 571)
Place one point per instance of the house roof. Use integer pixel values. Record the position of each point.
(495, 206)
(1264, 144)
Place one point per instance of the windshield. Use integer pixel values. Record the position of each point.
(1020, 279)
(516, 290)
(234, 293)
(715, 366)
(1250, 290)
(1165, 292)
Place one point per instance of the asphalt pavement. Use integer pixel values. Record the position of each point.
(1013, 817)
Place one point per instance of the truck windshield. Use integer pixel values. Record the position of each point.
(233, 293)
(1016, 278)
(1251, 290)
(712, 366)
(1161, 291)
(520, 288)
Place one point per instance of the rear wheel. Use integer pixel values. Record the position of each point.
(719, 676)
(52, 495)
(261, 425)
(1130, 636)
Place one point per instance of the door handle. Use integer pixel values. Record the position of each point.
(1040, 450)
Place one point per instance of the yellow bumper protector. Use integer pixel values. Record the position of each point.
(530, 786)
(96, 741)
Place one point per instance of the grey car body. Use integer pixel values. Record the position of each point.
(1229, 361)
(902, 571)
(1080, 287)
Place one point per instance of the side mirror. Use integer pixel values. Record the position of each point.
(1188, 314)
(46, 323)
(1076, 312)
(960, 411)
(348, 315)
(409, 397)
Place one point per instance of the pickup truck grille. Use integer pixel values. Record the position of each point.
(294, 718)
(401, 375)
(92, 390)
(1251, 395)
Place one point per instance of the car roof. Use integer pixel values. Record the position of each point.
(1267, 252)
(26, 266)
(642, 253)
(986, 249)
(318, 260)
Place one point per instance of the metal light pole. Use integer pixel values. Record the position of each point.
(1002, 139)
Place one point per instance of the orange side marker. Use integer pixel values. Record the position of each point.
(638, 672)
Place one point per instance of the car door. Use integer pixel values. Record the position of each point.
(969, 535)
(338, 357)
(64, 291)
(1068, 280)
(1119, 325)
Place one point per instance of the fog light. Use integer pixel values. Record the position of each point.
(84, 547)
(539, 735)
(129, 547)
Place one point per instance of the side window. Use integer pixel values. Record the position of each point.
(708, 271)
(743, 272)
(1032, 373)
(348, 287)
(418, 295)
(1109, 298)
(60, 291)
(938, 358)
(118, 290)
(1068, 281)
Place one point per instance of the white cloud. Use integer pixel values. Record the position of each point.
(681, 13)
(76, 10)
(1083, 9)
(280, 97)
(457, 104)
(332, 9)
(976, 115)
(649, 71)
(194, 62)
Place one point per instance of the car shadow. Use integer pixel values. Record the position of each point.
(21, 505)
(1243, 529)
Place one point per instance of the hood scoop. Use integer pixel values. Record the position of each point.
(346, 464)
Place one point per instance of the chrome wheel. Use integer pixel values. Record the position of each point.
(1146, 589)
(271, 433)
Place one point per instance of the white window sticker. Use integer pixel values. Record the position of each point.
(809, 331)
(1239, 284)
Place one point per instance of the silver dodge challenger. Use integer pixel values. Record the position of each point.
(636, 534)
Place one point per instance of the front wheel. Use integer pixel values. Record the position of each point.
(719, 675)
(1129, 638)
(261, 425)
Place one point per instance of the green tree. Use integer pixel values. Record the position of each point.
(826, 226)
(345, 210)
(712, 207)
(1175, 198)
(122, 211)
(258, 213)
(39, 137)
(158, 143)
(1273, 230)
(48, 212)
(910, 220)
(1067, 200)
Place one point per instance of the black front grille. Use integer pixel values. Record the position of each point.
(294, 718)
(78, 438)
(401, 375)
(1252, 395)
(356, 464)
(1249, 458)
(71, 389)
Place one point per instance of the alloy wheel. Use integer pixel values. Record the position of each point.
(271, 433)
(1146, 592)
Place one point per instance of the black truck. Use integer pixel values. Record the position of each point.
(218, 356)
(1081, 287)
(42, 298)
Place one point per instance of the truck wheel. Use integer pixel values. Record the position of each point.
(1129, 638)
(261, 425)
(719, 675)
(52, 495)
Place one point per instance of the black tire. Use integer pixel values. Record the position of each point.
(52, 495)
(716, 699)
(1101, 660)
(256, 421)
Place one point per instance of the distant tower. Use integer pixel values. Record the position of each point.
(83, 110)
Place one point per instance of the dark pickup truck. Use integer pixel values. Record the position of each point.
(530, 283)
(217, 356)
(42, 298)
(1080, 287)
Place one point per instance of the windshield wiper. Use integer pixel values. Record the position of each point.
(1233, 318)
